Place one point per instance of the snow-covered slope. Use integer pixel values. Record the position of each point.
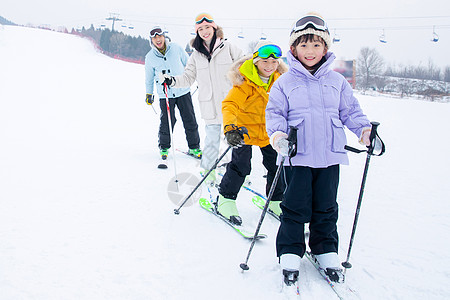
(85, 213)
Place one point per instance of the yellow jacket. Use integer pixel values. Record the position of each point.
(246, 102)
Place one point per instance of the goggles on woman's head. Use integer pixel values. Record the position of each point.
(156, 31)
(268, 51)
(313, 21)
(204, 17)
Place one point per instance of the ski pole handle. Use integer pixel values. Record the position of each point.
(292, 138)
(372, 137)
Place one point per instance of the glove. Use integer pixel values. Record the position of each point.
(279, 143)
(166, 79)
(234, 138)
(149, 98)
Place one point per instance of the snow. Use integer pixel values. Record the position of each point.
(85, 213)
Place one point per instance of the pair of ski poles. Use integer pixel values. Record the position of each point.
(374, 138)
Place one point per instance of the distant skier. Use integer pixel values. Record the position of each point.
(252, 77)
(170, 58)
(319, 102)
(208, 65)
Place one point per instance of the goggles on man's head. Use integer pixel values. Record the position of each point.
(156, 31)
(204, 17)
(268, 51)
(312, 21)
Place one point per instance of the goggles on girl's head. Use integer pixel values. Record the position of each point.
(268, 51)
(204, 17)
(156, 31)
(314, 21)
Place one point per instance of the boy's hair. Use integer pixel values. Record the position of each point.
(309, 38)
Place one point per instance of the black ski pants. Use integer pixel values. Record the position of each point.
(186, 108)
(240, 166)
(310, 197)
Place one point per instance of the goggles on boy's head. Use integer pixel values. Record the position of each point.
(204, 17)
(156, 31)
(313, 21)
(267, 51)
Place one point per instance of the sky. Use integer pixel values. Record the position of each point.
(407, 25)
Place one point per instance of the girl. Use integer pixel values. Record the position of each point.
(208, 64)
(319, 102)
(252, 79)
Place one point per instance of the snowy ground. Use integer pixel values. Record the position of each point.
(85, 213)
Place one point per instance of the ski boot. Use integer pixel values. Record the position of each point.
(329, 263)
(274, 206)
(290, 277)
(195, 152)
(227, 208)
(164, 152)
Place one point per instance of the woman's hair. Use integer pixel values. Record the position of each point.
(199, 45)
(309, 38)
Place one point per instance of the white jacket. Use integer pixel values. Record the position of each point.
(211, 76)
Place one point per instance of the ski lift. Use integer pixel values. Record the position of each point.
(435, 36)
(193, 32)
(131, 26)
(124, 25)
(263, 36)
(241, 34)
(383, 38)
(336, 38)
(102, 25)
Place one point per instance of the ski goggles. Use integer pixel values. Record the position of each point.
(156, 31)
(267, 51)
(314, 21)
(204, 17)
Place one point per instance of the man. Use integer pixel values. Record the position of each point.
(170, 58)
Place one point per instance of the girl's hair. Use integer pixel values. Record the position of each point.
(199, 45)
(309, 38)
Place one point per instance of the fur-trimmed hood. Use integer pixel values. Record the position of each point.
(236, 77)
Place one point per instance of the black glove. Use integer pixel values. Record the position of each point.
(149, 98)
(234, 138)
(167, 79)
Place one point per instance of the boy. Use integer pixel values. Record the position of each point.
(252, 78)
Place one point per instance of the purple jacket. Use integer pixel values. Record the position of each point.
(319, 106)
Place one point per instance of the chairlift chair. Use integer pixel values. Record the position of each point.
(241, 35)
(383, 38)
(263, 36)
(435, 37)
(336, 38)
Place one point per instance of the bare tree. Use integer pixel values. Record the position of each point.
(369, 64)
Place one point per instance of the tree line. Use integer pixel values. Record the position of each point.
(118, 43)
(427, 80)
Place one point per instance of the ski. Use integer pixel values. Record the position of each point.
(342, 290)
(208, 206)
(261, 202)
(188, 154)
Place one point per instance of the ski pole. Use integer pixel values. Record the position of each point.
(177, 210)
(373, 135)
(169, 119)
(292, 138)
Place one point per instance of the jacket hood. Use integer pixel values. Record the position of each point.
(236, 76)
(219, 34)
